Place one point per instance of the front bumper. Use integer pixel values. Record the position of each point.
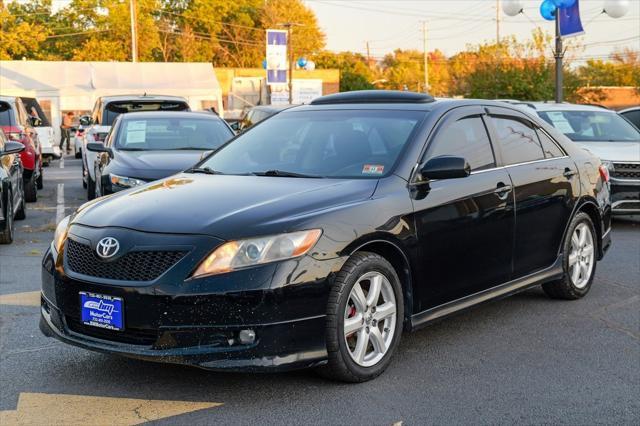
(191, 323)
(625, 196)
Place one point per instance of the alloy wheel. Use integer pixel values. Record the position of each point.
(370, 319)
(581, 256)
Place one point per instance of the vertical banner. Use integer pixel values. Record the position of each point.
(570, 24)
(276, 57)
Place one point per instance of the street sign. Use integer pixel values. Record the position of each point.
(276, 53)
(570, 24)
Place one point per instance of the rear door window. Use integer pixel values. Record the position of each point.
(518, 142)
(465, 138)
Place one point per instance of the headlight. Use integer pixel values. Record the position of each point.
(255, 251)
(61, 234)
(124, 181)
(608, 165)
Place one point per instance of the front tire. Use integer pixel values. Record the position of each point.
(365, 315)
(79, 153)
(21, 210)
(6, 235)
(39, 181)
(91, 188)
(579, 261)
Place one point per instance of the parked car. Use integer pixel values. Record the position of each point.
(256, 114)
(17, 126)
(78, 142)
(49, 147)
(632, 114)
(147, 146)
(610, 137)
(12, 203)
(316, 238)
(105, 111)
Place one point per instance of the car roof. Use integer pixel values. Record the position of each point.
(169, 114)
(8, 99)
(272, 108)
(143, 97)
(633, 108)
(553, 106)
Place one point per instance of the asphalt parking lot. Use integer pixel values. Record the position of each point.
(526, 359)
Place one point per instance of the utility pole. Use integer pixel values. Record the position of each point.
(134, 30)
(426, 57)
(558, 54)
(368, 56)
(497, 21)
(288, 26)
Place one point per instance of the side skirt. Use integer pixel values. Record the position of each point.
(553, 272)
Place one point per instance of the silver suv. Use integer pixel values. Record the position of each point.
(607, 135)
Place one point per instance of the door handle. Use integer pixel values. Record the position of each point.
(502, 191)
(568, 173)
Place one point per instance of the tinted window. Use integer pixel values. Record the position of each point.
(465, 138)
(592, 126)
(346, 143)
(518, 142)
(114, 109)
(172, 133)
(34, 110)
(633, 116)
(549, 147)
(5, 114)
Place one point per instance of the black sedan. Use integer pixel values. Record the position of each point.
(12, 201)
(318, 236)
(146, 146)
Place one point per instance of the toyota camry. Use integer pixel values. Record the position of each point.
(320, 235)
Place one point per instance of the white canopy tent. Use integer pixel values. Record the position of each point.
(75, 86)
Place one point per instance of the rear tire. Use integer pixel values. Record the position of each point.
(91, 188)
(79, 153)
(376, 317)
(579, 261)
(31, 190)
(39, 181)
(6, 235)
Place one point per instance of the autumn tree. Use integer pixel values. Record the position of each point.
(355, 72)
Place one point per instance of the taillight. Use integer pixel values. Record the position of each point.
(604, 172)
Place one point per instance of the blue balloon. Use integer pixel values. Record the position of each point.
(548, 10)
(564, 4)
(302, 62)
(264, 64)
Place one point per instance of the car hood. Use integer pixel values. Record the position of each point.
(152, 165)
(224, 206)
(619, 152)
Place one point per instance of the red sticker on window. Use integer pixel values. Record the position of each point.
(373, 169)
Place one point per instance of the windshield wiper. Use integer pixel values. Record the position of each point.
(282, 173)
(205, 170)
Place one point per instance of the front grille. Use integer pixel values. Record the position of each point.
(133, 266)
(130, 336)
(626, 171)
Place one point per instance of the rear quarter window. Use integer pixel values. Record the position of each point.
(6, 114)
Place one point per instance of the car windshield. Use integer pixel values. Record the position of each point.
(591, 126)
(149, 134)
(114, 109)
(337, 144)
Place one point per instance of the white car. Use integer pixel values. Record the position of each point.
(105, 110)
(78, 142)
(50, 149)
(607, 135)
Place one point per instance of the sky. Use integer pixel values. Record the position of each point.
(453, 24)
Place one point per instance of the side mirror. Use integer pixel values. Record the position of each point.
(99, 147)
(85, 120)
(445, 167)
(12, 148)
(35, 121)
(235, 126)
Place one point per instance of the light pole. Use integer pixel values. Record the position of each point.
(559, 54)
(134, 30)
(288, 26)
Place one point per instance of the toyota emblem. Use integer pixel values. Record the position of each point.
(107, 247)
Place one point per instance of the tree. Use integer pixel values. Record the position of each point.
(355, 73)
(20, 36)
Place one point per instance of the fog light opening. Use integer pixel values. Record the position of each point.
(247, 336)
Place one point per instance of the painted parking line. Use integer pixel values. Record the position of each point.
(29, 298)
(59, 409)
(62, 161)
(60, 203)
